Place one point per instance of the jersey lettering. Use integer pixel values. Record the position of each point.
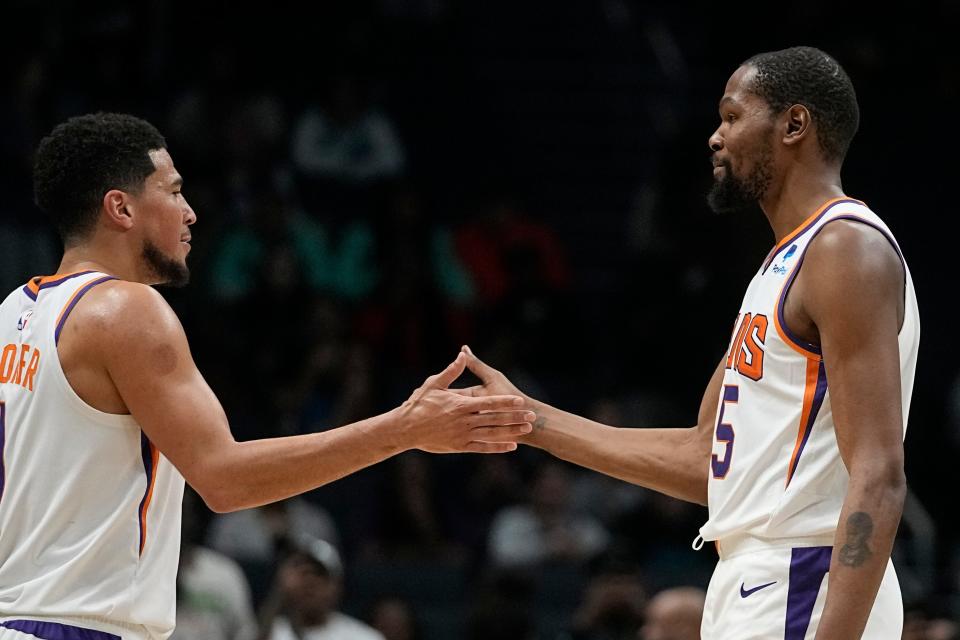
(746, 350)
(19, 365)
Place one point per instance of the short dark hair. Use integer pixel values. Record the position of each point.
(85, 157)
(809, 76)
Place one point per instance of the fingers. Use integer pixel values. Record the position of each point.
(479, 368)
(468, 391)
(491, 403)
(501, 418)
(446, 377)
(502, 434)
(490, 447)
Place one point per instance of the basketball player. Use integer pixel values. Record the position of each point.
(798, 448)
(102, 408)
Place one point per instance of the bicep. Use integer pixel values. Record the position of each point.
(857, 317)
(158, 380)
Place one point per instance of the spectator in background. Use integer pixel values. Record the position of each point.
(306, 594)
(423, 291)
(27, 245)
(213, 597)
(546, 529)
(613, 603)
(259, 538)
(409, 524)
(506, 251)
(344, 140)
(395, 619)
(519, 272)
(276, 247)
(674, 614)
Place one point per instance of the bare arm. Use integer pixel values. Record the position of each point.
(857, 310)
(674, 461)
(139, 342)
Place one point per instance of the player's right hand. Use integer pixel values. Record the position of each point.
(437, 420)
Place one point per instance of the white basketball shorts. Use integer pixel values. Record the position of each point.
(775, 590)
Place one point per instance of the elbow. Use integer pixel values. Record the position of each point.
(219, 495)
(218, 503)
(886, 478)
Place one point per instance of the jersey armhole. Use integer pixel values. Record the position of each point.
(808, 349)
(103, 417)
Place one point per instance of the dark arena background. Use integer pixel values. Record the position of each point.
(379, 182)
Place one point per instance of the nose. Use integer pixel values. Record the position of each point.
(190, 215)
(715, 141)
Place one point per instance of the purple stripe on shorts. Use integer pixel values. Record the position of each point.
(808, 566)
(56, 631)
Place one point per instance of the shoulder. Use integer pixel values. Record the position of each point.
(126, 321)
(854, 243)
(342, 622)
(851, 269)
(847, 253)
(123, 307)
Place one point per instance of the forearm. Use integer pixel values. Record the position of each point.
(250, 474)
(671, 461)
(864, 540)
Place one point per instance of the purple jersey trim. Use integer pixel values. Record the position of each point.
(73, 302)
(54, 283)
(805, 228)
(3, 442)
(809, 346)
(146, 451)
(818, 395)
(56, 631)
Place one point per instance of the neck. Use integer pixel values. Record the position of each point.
(798, 196)
(88, 257)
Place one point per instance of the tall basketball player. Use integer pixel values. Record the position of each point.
(798, 449)
(103, 412)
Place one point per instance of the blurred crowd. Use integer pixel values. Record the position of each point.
(380, 185)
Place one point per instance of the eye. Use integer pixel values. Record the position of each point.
(731, 118)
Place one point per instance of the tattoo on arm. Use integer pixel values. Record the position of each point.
(540, 423)
(856, 551)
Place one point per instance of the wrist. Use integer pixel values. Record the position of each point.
(391, 431)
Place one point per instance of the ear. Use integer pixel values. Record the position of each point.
(798, 124)
(116, 207)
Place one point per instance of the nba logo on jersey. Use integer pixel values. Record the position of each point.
(24, 319)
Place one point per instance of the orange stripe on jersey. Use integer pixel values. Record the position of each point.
(803, 225)
(37, 282)
(809, 393)
(145, 505)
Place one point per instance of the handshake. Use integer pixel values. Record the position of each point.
(491, 417)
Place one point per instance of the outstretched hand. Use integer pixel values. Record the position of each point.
(492, 382)
(440, 420)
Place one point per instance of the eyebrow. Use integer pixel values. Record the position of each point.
(177, 182)
(726, 99)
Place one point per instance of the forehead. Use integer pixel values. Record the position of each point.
(738, 90)
(164, 171)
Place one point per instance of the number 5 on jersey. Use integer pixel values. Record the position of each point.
(724, 433)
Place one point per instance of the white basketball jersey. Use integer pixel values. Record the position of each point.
(89, 508)
(776, 470)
